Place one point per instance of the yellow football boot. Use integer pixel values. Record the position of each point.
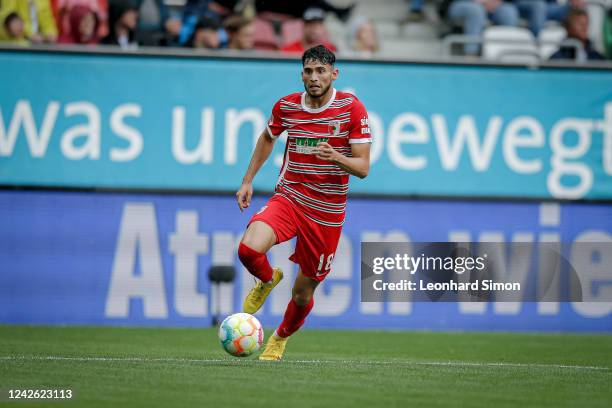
(257, 296)
(275, 347)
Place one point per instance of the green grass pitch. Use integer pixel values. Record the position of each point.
(156, 367)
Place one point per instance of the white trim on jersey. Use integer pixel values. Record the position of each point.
(322, 108)
(333, 185)
(286, 102)
(339, 104)
(342, 118)
(324, 191)
(284, 169)
(313, 204)
(303, 133)
(314, 165)
(272, 135)
(298, 170)
(316, 201)
(327, 224)
(362, 140)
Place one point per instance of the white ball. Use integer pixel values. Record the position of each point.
(241, 334)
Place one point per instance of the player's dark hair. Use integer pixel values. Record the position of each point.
(319, 53)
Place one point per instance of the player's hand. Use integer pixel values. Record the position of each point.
(244, 195)
(324, 151)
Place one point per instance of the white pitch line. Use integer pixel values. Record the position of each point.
(240, 361)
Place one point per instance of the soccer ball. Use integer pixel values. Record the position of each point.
(241, 334)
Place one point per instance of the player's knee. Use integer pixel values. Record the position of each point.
(244, 253)
(250, 257)
(259, 237)
(248, 239)
(302, 297)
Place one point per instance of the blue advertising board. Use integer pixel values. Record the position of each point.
(178, 123)
(127, 259)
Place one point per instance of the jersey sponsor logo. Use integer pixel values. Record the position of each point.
(333, 127)
(365, 126)
(307, 145)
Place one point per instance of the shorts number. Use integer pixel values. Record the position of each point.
(330, 258)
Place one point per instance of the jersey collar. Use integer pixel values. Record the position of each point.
(322, 108)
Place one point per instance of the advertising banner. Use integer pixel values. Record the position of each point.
(143, 259)
(166, 122)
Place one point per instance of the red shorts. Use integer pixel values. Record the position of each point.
(316, 244)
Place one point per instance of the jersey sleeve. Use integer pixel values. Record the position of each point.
(360, 125)
(275, 126)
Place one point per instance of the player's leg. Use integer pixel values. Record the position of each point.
(314, 252)
(273, 224)
(258, 238)
(300, 305)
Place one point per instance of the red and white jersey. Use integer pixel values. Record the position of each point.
(317, 186)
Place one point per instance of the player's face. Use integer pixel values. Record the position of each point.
(318, 77)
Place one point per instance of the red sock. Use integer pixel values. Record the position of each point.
(294, 318)
(255, 262)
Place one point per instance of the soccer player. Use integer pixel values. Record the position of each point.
(328, 139)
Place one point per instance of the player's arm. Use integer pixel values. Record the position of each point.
(263, 148)
(357, 165)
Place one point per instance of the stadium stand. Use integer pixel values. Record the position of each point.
(400, 37)
(515, 44)
(550, 39)
(597, 12)
(291, 31)
(265, 38)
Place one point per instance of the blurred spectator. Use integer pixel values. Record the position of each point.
(82, 27)
(62, 8)
(297, 8)
(363, 39)
(37, 17)
(314, 33)
(577, 26)
(123, 20)
(607, 34)
(14, 28)
(155, 24)
(195, 10)
(240, 32)
(537, 12)
(473, 14)
(416, 12)
(206, 34)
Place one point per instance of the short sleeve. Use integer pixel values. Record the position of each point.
(360, 125)
(275, 125)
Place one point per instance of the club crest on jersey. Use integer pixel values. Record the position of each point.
(333, 128)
